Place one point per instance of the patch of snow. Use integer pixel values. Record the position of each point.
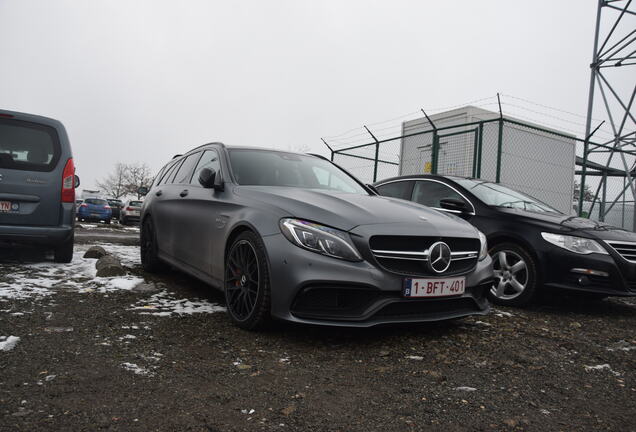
(165, 304)
(8, 343)
(138, 370)
(41, 279)
(414, 357)
(601, 367)
(482, 323)
(466, 389)
(503, 313)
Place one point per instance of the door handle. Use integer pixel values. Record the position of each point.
(183, 193)
(158, 193)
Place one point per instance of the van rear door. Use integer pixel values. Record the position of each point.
(30, 173)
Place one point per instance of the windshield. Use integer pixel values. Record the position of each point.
(497, 195)
(272, 168)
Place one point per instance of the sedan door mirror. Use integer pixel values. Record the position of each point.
(143, 191)
(454, 205)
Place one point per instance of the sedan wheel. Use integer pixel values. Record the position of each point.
(515, 275)
(247, 282)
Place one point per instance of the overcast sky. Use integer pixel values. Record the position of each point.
(144, 80)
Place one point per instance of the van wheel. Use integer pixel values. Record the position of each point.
(148, 239)
(515, 275)
(246, 284)
(64, 252)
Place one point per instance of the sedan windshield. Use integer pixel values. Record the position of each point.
(272, 168)
(495, 194)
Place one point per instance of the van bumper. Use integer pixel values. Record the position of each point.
(35, 235)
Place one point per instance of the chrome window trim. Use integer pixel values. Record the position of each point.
(472, 213)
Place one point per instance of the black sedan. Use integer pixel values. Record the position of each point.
(533, 246)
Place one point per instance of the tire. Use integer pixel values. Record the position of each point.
(64, 252)
(246, 283)
(148, 247)
(516, 277)
(107, 221)
(123, 221)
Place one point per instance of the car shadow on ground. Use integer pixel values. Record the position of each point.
(12, 255)
(572, 304)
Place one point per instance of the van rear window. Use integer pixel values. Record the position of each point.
(28, 146)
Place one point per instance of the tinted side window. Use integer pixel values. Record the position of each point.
(28, 146)
(430, 193)
(399, 189)
(185, 171)
(169, 173)
(210, 159)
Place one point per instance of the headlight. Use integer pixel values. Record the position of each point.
(320, 239)
(483, 250)
(574, 244)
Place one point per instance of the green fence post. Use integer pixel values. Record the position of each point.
(434, 152)
(499, 150)
(475, 145)
(481, 141)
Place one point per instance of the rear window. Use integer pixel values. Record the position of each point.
(136, 203)
(28, 146)
(95, 201)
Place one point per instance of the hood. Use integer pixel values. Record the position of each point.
(347, 211)
(563, 222)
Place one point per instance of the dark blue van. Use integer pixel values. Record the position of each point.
(37, 184)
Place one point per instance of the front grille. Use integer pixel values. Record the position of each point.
(408, 255)
(335, 301)
(625, 249)
(421, 309)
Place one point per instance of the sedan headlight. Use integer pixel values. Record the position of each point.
(483, 250)
(574, 244)
(320, 239)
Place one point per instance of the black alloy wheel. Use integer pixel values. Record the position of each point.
(148, 247)
(247, 292)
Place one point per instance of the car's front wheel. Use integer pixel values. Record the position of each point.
(148, 247)
(247, 288)
(515, 275)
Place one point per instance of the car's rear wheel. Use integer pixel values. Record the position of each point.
(148, 246)
(123, 221)
(64, 252)
(515, 275)
(107, 221)
(247, 288)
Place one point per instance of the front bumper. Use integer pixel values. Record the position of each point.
(310, 288)
(558, 265)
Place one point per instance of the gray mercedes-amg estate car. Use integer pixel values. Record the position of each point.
(295, 237)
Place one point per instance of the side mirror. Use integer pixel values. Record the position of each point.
(143, 191)
(454, 205)
(77, 182)
(207, 177)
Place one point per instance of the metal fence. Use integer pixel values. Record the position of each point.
(538, 161)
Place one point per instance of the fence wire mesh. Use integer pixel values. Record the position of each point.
(532, 159)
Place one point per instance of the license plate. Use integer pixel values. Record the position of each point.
(134, 213)
(95, 215)
(9, 207)
(434, 287)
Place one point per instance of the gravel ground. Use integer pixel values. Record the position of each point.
(99, 354)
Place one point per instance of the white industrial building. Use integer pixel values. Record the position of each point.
(534, 159)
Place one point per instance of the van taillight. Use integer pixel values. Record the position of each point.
(68, 182)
